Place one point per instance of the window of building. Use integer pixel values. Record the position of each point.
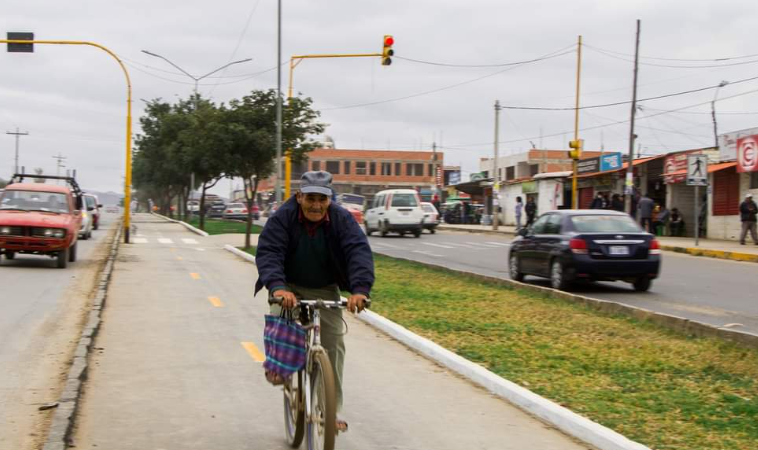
(386, 169)
(398, 169)
(534, 169)
(346, 165)
(431, 170)
(373, 168)
(499, 173)
(414, 170)
(333, 167)
(753, 180)
(510, 173)
(726, 193)
(360, 167)
(315, 165)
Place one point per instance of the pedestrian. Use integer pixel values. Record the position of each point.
(313, 248)
(531, 211)
(676, 224)
(617, 203)
(645, 207)
(664, 215)
(518, 209)
(748, 212)
(598, 202)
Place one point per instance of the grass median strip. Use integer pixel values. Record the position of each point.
(654, 386)
(217, 226)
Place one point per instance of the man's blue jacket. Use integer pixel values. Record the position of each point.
(349, 250)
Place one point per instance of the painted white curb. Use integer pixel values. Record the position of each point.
(567, 421)
(186, 225)
(240, 253)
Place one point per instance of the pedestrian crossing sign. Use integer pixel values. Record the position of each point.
(697, 170)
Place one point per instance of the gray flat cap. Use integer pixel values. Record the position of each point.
(316, 182)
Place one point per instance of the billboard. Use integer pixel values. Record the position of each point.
(747, 154)
(610, 161)
(728, 143)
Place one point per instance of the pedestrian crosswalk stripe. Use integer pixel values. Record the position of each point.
(189, 241)
(501, 244)
(140, 240)
(456, 244)
(481, 245)
(165, 241)
(437, 245)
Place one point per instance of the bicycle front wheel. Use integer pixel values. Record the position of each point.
(294, 410)
(321, 429)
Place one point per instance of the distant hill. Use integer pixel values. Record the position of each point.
(107, 198)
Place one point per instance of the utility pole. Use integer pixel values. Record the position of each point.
(496, 185)
(435, 169)
(18, 134)
(713, 114)
(59, 164)
(629, 185)
(576, 144)
(278, 187)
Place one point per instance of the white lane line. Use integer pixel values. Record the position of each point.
(200, 249)
(428, 253)
(139, 240)
(387, 245)
(165, 241)
(499, 243)
(189, 241)
(481, 245)
(437, 245)
(458, 244)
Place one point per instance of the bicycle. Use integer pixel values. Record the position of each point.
(310, 397)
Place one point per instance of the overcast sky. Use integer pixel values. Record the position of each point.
(72, 100)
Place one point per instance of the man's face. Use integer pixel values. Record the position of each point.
(314, 206)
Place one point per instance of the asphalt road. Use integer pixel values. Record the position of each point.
(179, 357)
(40, 311)
(713, 291)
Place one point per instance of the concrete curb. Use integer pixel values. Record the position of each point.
(59, 435)
(470, 230)
(719, 254)
(185, 224)
(567, 421)
(240, 253)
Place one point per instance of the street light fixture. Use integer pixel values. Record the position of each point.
(713, 113)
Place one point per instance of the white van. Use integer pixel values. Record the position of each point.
(395, 210)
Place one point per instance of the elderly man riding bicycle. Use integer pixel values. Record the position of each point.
(311, 248)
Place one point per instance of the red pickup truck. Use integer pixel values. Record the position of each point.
(40, 219)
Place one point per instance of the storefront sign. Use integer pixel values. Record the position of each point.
(728, 143)
(529, 187)
(589, 165)
(747, 154)
(454, 177)
(610, 161)
(675, 167)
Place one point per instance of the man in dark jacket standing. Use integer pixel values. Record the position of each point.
(645, 206)
(313, 248)
(748, 212)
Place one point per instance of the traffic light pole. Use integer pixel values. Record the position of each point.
(294, 61)
(128, 179)
(578, 143)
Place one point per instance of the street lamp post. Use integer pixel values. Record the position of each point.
(713, 113)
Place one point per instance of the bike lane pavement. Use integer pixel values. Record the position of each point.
(175, 367)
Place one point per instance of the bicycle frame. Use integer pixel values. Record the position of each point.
(314, 344)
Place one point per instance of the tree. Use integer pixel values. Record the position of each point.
(250, 138)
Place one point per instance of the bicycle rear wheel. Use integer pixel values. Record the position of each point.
(321, 429)
(294, 410)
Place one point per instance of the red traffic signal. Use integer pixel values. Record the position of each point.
(387, 51)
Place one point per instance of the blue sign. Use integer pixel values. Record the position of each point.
(454, 178)
(610, 161)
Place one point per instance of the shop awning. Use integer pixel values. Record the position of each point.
(636, 162)
(712, 168)
(474, 187)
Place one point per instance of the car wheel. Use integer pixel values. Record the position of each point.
(72, 253)
(89, 234)
(642, 284)
(368, 229)
(514, 268)
(417, 233)
(62, 259)
(85, 236)
(432, 231)
(558, 276)
(10, 255)
(96, 226)
(384, 230)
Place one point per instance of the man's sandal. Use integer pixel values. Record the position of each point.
(274, 378)
(341, 426)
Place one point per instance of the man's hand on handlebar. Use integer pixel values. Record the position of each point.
(289, 300)
(356, 303)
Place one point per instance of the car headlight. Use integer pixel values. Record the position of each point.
(5, 230)
(84, 214)
(59, 233)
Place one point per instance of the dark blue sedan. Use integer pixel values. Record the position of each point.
(586, 245)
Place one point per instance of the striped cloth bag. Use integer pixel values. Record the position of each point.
(284, 343)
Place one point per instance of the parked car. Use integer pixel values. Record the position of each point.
(590, 245)
(93, 209)
(193, 207)
(354, 203)
(40, 219)
(85, 230)
(236, 211)
(395, 210)
(216, 208)
(431, 217)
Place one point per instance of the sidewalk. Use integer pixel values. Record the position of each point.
(713, 248)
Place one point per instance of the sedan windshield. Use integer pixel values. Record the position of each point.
(605, 224)
(34, 201)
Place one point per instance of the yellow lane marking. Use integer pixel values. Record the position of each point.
(195, 276)
(215, 301)
(180, 258)
(253, 351)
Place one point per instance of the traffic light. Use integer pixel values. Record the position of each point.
(387, 51)
(576, 146)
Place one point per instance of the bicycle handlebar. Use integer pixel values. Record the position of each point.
(318, 303)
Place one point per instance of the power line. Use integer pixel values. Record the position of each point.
(674, 59)
(517, 63)
(610, 55)
(247, 77)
